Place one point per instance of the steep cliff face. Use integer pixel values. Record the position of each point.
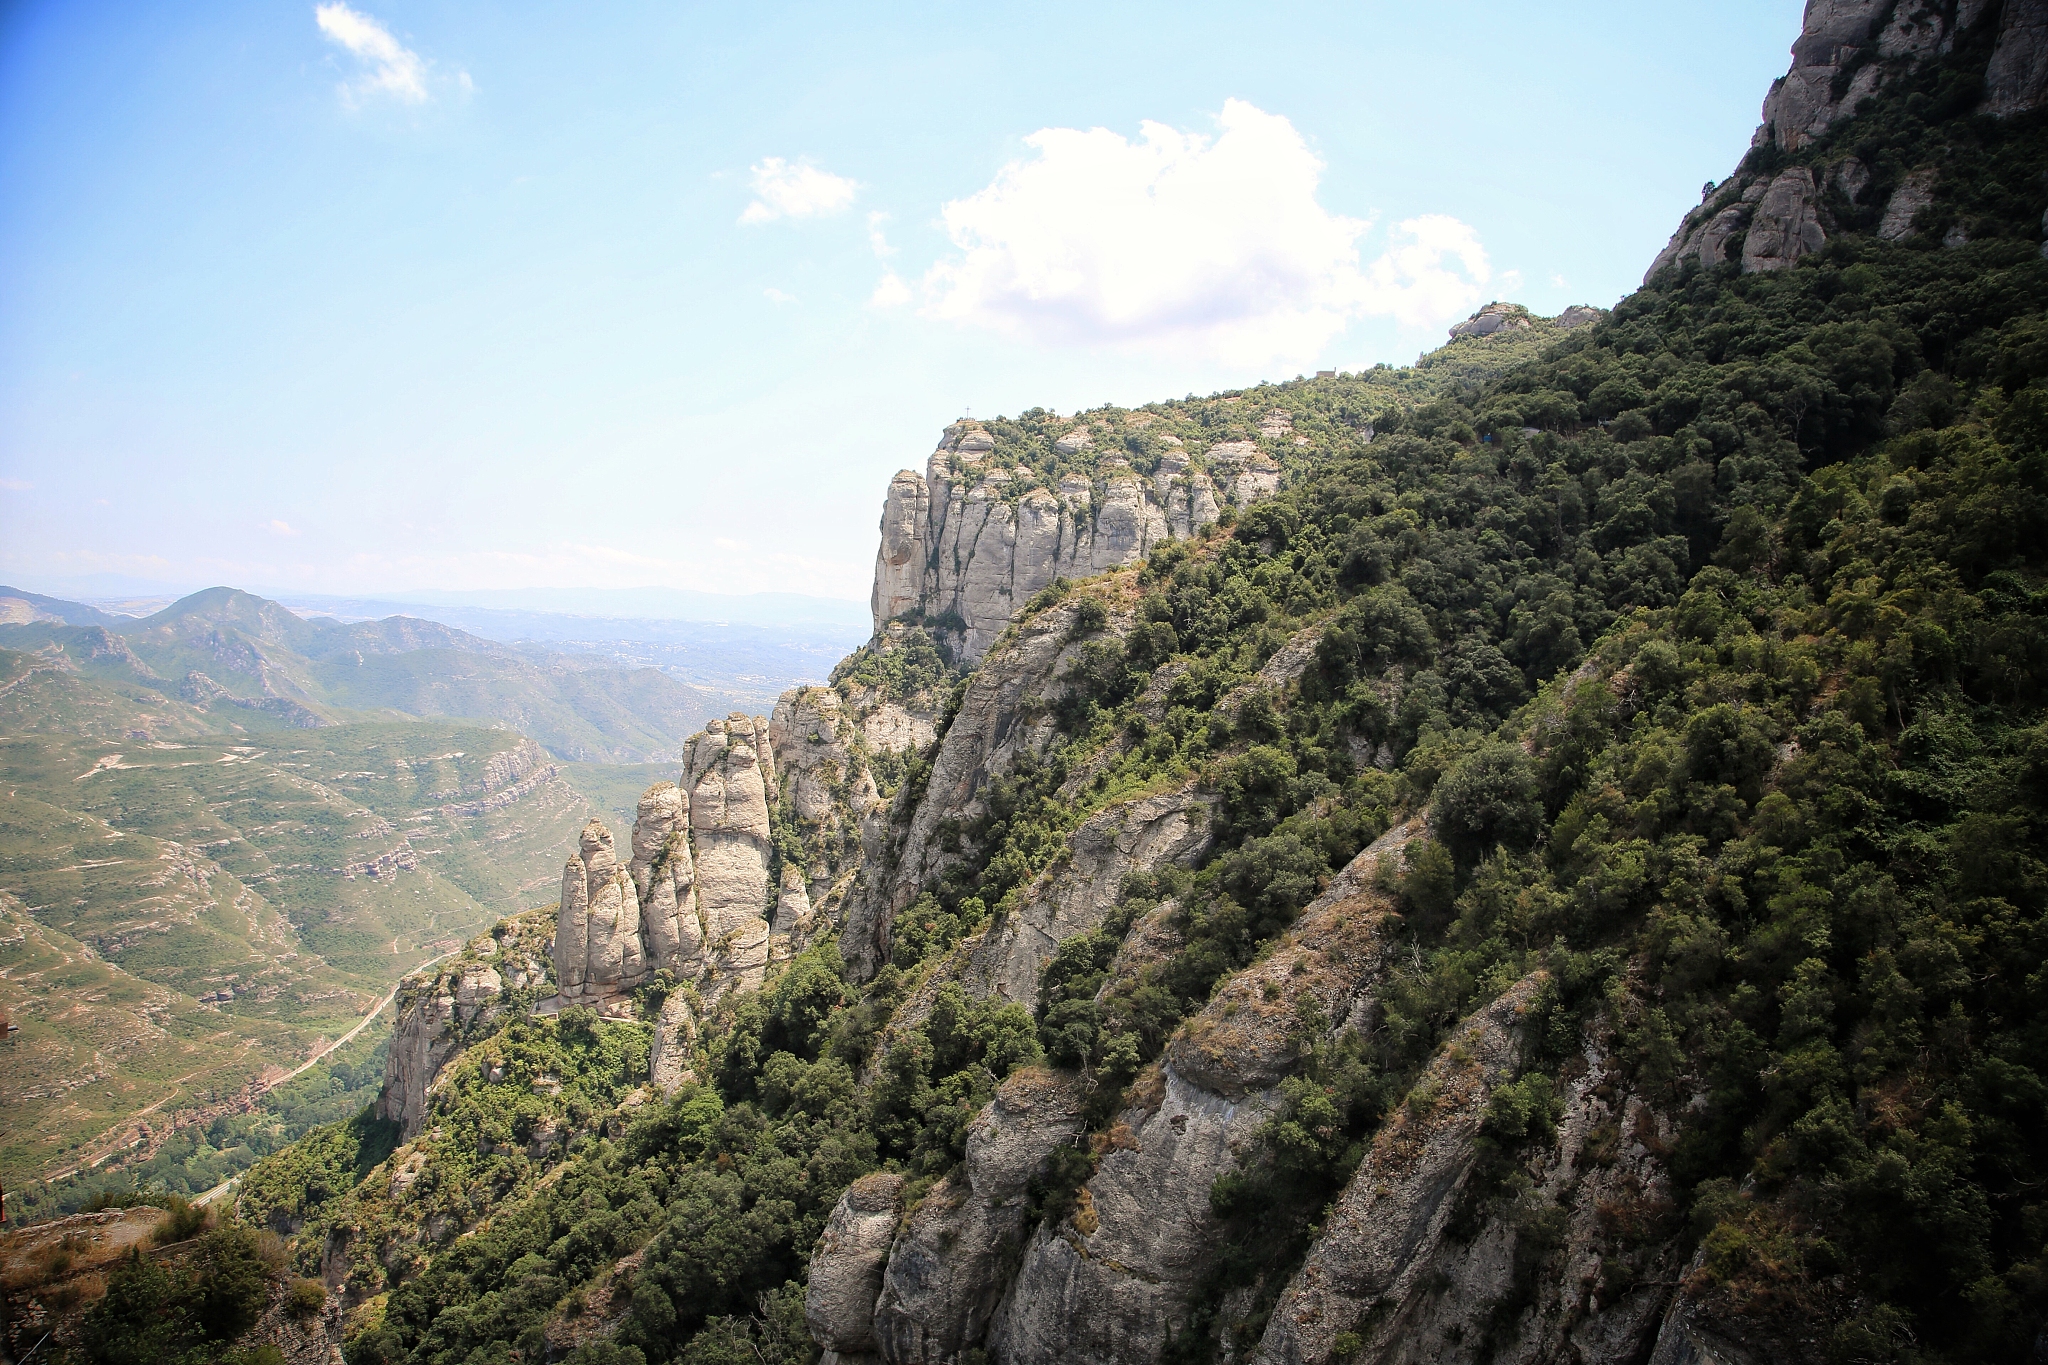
(439, 1007)
(1004, 716)
(821, 746)
(969, 541)
(1847, 52)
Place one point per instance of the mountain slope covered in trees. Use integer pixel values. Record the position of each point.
(1698, 660)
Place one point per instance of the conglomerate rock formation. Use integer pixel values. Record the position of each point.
(972, 538)
(1846, 52)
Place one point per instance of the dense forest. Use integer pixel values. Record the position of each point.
(1710, 639)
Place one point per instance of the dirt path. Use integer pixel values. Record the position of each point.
(257, 1091)
(218, 1190)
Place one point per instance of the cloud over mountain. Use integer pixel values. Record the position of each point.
(1189, 242)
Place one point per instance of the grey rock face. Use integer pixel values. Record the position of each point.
(1852, 47)
(668, 1062)
(846, 1267)
(693, 897)
(1495, 317)
(1397, 1204)
(1077, 894)
(1786, 225)
(1000, 718)
(422, 1041)
(728, 770)
(1602, 1172)
(2017, 79)
(962, 543)
(1851, 177)
(1914, 193)
(1802, 104)
(828, 786)
(947, 1272)
(1111, 1282)
(1578, 315)
(599, 952)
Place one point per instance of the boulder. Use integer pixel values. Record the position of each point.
(1495, 317)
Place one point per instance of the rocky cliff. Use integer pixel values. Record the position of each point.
(1768, 216)
(984, 528)
(1412, 892)
(440, 1007)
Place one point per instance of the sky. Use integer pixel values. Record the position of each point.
(408, 294)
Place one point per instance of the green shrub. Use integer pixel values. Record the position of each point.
(305, 1298)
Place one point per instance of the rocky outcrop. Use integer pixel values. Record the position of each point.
(694, 898)
(2016, 81)
(1113, 1282)
(846, 1266)
(1786, 224)
(1914, 193)
(728, 771)
(599, 951)
(820, 747)
(974, 538)
(668, 1058)
(1846, 52)
(948, 1269)
(438, 1007)
(1005, 714)
(1077, 893)
(1398, 1203)
(1803, 103)
(1495, 317)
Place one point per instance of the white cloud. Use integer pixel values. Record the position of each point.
(784, 189)
(777, 296)
(875, 237)
(1182, 241)
(890, 292)
(390, 68)
(16, 485)
(1557, 280)
(278, 527)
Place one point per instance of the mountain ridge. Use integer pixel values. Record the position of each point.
(1551, 873)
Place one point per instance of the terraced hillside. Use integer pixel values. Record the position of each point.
(240, 901)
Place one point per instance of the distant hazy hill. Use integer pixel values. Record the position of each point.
(252, 665)
(225, 829)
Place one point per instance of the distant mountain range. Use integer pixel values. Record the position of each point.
(244, 662)
(227, 825)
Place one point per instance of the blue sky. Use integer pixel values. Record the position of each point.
(434, 293)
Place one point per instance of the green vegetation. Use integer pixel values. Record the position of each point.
(181, 1311)
(1711, 636)
(298, 880)
(196, 1157)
